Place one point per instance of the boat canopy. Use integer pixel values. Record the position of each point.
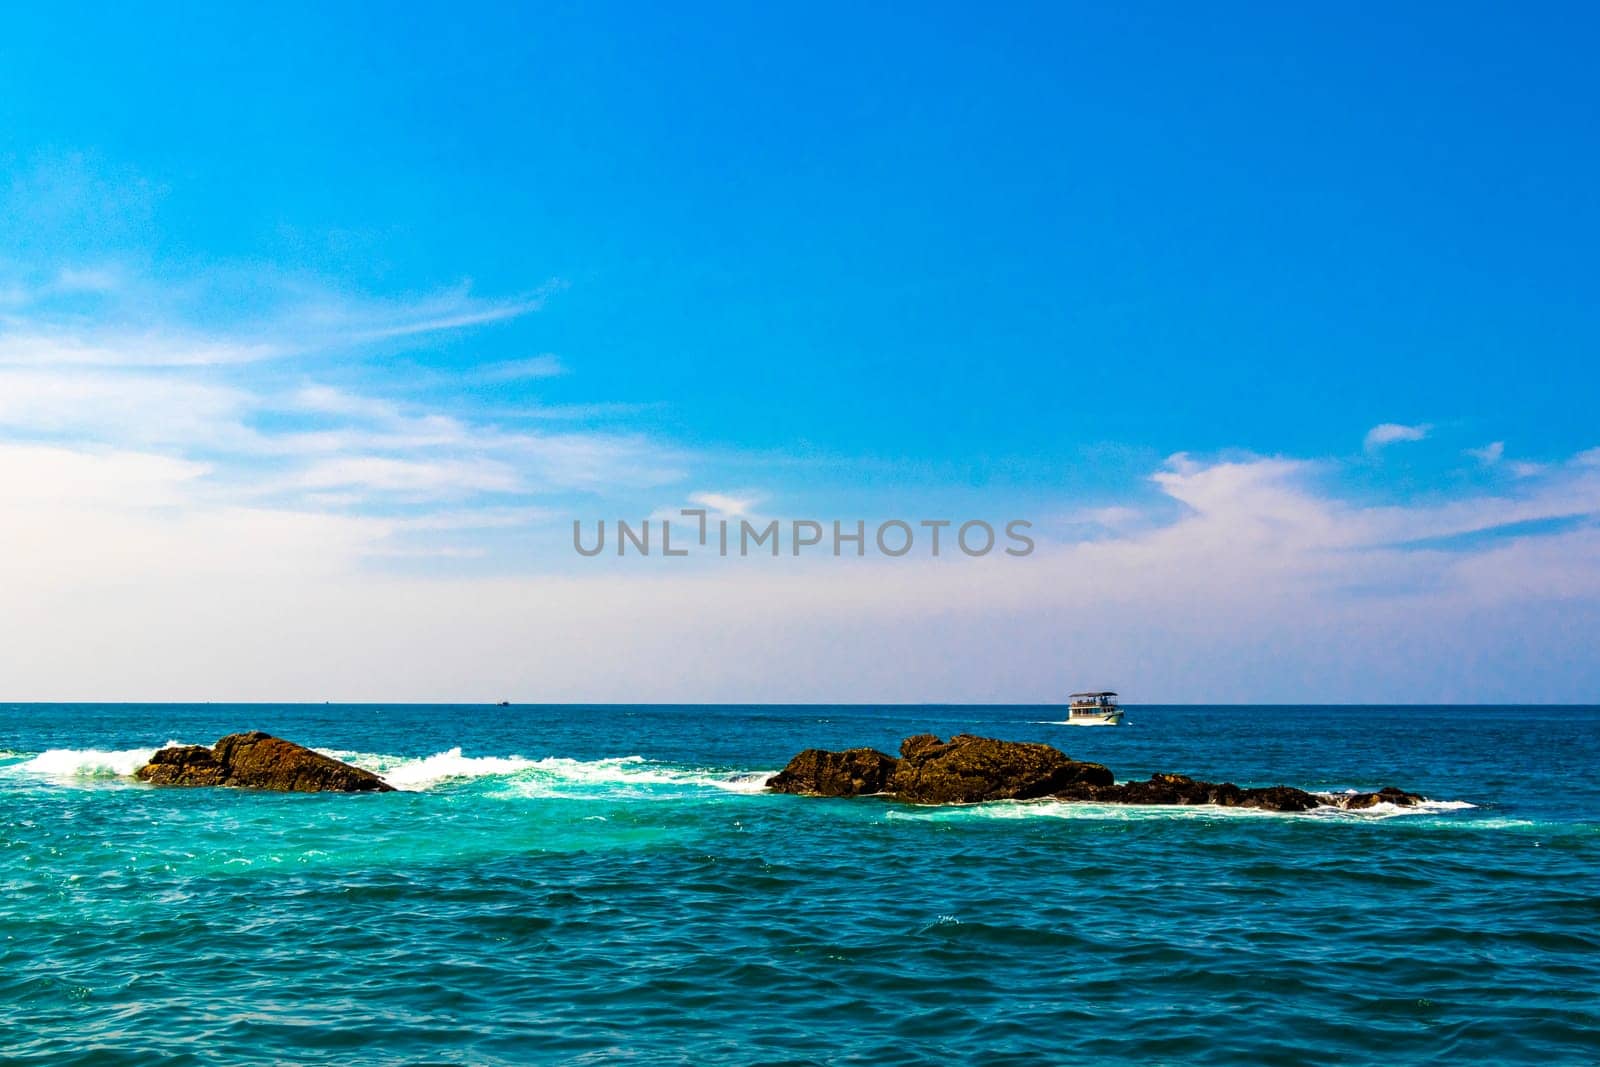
(1107, 693)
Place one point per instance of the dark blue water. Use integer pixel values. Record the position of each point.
(592, 884)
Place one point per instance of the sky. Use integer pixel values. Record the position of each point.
(319, 332)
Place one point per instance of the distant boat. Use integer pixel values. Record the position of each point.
(1094, 709)
(503, 704)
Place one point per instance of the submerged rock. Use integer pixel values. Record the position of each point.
(968, 769)
(1387, 795)
(258, 760)
(852, 773)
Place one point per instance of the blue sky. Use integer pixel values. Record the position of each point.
(420, 285)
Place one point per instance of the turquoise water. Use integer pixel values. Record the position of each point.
(592, 884)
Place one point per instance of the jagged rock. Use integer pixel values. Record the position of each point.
(1181, 789)
(1279, 798)
(852, 773)
(258, 760)
(968, 769)
(187, 765)
(1386, 795)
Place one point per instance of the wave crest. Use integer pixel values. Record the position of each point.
(90, 762)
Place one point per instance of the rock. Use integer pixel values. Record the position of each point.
(1387, 795)
(258, 760)
(1158, 789)
(852, 773)
(188, 765)
(918, 744)
(1168, 789)
(968, 769)
(1279, 798)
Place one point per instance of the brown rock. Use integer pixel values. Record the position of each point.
(918, 744)
(852, 773)
(188, 765)
(258, 760)
(968, 769)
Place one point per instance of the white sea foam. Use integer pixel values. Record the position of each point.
(1078, 809)
(90, 762)
(551, 776)
(411, 773)
(1388, 811)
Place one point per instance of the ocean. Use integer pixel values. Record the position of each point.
(610, 883)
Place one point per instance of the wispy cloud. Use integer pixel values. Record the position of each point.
(1489, 454)
(1389, 433)
(105, 361)
(31, 344)
(138, 327)
(728, 504)
(412, 478)
(345, 321)
(541, 366)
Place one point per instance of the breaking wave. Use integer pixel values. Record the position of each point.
(88, 762)
(516, 775)
(551, 776)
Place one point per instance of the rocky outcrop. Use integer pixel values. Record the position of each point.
(968, 769)
(258, 760)
(852, 773)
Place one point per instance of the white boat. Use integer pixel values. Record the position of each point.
(1094, 709)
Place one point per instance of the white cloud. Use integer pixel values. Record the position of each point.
(726, 504)
(1390, 432)
(45, 346)
(1113, 517)
(116, 408)
(327, 400)
(1489, 454)
(1493, 455)
(416, 479)
(1263, 588)
(31, 475)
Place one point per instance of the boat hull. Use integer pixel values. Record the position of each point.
(1111, 718)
